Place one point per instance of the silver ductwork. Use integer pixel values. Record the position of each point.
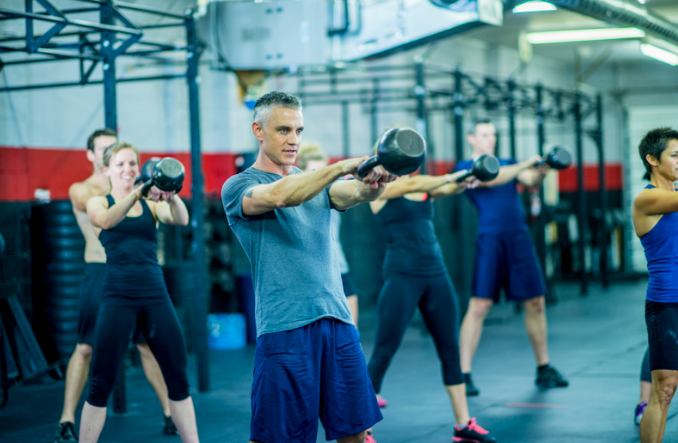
(268, 35)
(620, 13)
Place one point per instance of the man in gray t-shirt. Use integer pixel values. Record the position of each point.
(308, 361)
(309, 158)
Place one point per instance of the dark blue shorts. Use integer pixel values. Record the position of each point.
(507, 260)
(316, 371)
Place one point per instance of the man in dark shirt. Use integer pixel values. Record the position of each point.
(505, 257)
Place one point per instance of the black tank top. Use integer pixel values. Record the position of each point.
(133, 276)
(411, 244)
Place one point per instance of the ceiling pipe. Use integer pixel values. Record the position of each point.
(620, 13)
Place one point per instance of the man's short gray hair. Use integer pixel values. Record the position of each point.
(275, 99)
(471, 128)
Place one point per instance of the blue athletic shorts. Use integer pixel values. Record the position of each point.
(316, 371)
(507, 260)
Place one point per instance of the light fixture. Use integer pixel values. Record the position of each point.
(534, 6)
(660, 54)
(444, 3)
(583, 35)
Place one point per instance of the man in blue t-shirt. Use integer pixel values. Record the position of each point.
(505, 257)
(308, 359)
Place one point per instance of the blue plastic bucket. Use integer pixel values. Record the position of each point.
(226, 331)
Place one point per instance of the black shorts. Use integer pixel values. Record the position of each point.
(662, 334)
(91, 293)
(349, 288)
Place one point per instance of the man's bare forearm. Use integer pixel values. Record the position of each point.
(366, 193)
(296, 189)
(509, 173)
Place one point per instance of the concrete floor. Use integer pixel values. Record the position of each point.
(597, 342)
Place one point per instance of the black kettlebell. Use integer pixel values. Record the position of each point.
(557, 158)
(484, 168)
(146, 170)
(400, 151)
(167, 175)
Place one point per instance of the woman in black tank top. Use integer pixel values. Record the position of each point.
(134, 292)
(415, 275)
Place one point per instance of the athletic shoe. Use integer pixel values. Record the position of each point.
(548, 377)
(382, 402)
(66, 433)
(169, 428)
(640, 410)
(472, 433)
(369, 438)
(471, 389)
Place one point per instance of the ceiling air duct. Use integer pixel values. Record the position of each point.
(620, 13)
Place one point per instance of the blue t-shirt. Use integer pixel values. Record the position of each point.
(499, 207)
(294, 263)
(661, 252)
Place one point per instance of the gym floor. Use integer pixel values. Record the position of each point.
(597, 341)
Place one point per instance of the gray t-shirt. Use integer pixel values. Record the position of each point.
(335, 224)
(294, 264)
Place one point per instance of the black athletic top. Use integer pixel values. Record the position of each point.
(133, 275)
(411, 244)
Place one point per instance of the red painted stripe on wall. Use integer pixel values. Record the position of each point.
(23, 170)
(614, 178)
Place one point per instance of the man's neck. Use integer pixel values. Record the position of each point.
(263, 163)
(477, 154)
(98, 179)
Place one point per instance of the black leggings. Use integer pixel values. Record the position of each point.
(645, 373)
(164, 336)
(398, 299)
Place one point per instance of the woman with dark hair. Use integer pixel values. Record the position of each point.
(655, 218)
(134, 291)
(415, 275)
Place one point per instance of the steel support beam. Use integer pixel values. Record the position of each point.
(511, 108)
(604, 234)
(581, 195)
(420, 97)
(197, 202)
(540, 221)
(460, 220)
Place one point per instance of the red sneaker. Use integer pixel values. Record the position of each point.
(382, 402)
(370, 439)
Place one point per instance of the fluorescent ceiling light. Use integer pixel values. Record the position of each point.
(534, 6)
(659, 54)
(583, 35)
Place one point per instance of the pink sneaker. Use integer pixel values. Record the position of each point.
(472, 433)
(381, 402)
(370, 439)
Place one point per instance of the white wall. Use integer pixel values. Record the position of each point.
(640, 120)
(641, 96)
